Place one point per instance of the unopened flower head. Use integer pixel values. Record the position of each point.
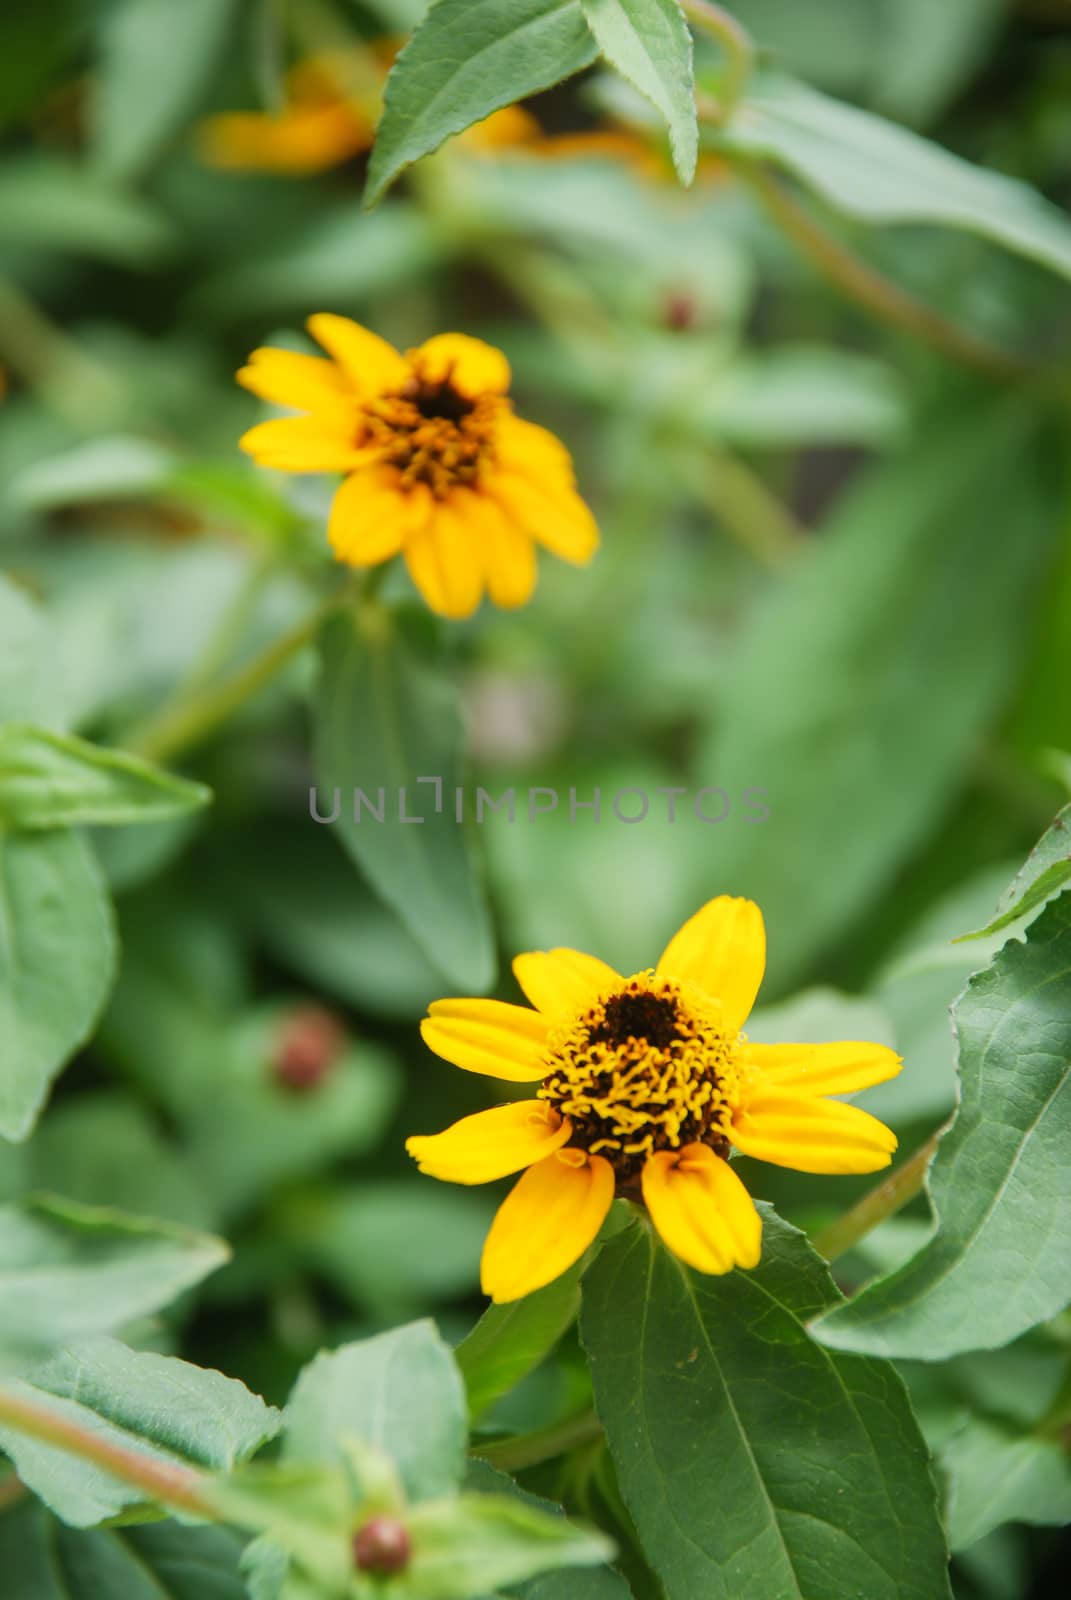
(646, 1085)
(437, 465)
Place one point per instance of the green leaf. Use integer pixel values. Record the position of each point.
(394, 1246)
(329, 929)
(57, 964)
(156, 59)
(756, 1465)
(338, 258)
(53, 780)
(146, 1403)
(897, 578)
(112, 468)
(594, 1583)
(43, 1560)
(995, 1474)
(649, 43)
(24, 689)
(467, 59)
(997, 1262)
(284, 1132)
(510, 1340)
(399, 1393)
(52, 204)
(879, 172)
(1046, 872)
(384, 720)
(475, 1543)
(70, 1271)
(103, 1148)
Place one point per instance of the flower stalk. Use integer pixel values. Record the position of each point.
(171, 1484)
(871, 289)
(737, 45)
(192, 717)
(883, 1201)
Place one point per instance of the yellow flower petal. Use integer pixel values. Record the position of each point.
(556, 517)
(372, 516)
(300, 444)
(701, 1209)
(723, 950)
(546, 1223)
(296, 141)
(821, 1068)
(444, 563)
(811, 1135)
(488, 1036)
(371, 364)
(472, 367)
(506, 552)
(562, 982)
(534, 452)
(307, 383)
(491, 1144)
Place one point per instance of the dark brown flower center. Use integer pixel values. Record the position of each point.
(648, 1067)
(432, 433)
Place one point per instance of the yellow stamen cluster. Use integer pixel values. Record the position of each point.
(433, 433)
(650, 1066)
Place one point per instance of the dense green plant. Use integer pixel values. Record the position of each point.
(790, 282)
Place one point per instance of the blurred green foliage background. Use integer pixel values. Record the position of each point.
(836, 568)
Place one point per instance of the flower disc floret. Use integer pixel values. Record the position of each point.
(649, 1066)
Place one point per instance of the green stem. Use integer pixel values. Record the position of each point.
(543, 1444)
(188, 720)
(864, 284)
(72, 385)
(734, 40)
(232, 625)
(755, 518)
(170, 1484)
(884, 1201)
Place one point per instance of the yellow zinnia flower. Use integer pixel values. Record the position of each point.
(437, 466)
(646, 1084)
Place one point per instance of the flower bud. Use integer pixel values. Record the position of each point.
(382, 1545)
(309, 1043)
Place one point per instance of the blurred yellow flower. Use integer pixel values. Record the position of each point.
(328, 116)
(437, 465)
(646, 1083)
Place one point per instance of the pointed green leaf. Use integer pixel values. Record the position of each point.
(399, 1393)
(1046, 872)
(24, 688)
(895, 581)
(510, 1340)
(53, 780)
(476, 1543)
(146, 1403)
(756, 1465)
(997, 1262)
(649, 43)
(883, 173)
(385, 721)
(69, 1271)
(156, 60)
(467, 59)
(43, 1560)
(57, 963)
(996, 1474)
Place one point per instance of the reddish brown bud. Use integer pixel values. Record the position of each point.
(679, 311)
(310, 1041)
(382, 1546)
